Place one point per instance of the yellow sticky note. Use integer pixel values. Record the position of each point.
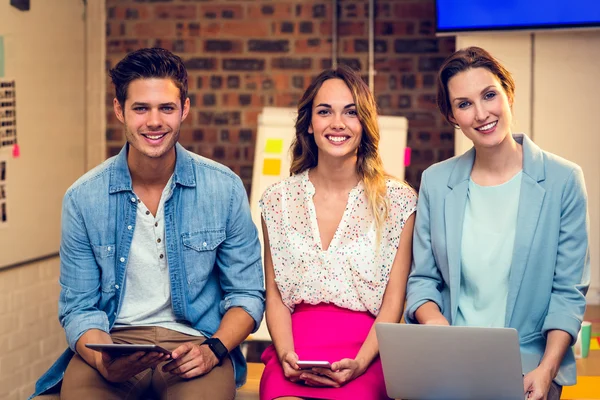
(274, 146)
(594, 345)
(271, 166)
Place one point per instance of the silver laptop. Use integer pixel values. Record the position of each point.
(426, 362)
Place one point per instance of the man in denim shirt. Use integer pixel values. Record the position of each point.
(158, 247)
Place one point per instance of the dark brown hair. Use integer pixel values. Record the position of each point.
(462, 60)
(149, 63)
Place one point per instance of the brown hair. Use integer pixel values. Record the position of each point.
(462, 60)
(369, 166)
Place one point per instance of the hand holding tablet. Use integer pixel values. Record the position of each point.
(118, 350)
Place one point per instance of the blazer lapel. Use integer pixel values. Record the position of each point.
(454, 211)
(530, 205)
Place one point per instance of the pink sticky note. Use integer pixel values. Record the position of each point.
(407, 152)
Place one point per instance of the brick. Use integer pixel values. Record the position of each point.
(129, 12)
(243, 64)
(211, 11)
(312, 46)
(233, 82)
(219, 118)
(176, 11)
(284, 27)
(362, 46)
(188, 29)
(409, 81)
(353, 10)
(223, 46)
(427, 101)
(306, 27)
(430, 64)
(246, 172)
(279, 10)
(383, 10)
(251, 117)
(245, 29)
(421, 119)
(394, 28)
(154, 29)
(229, 100)
(414, 10)
(352, 28)
(404, 101)
(429, 81)
(384, 100)
(247, 99)
(415, 46)
(201, 63)
(216, 82)
(114, 134)
(321, 11)
(115, 29)
(219, 153)
(291, 63)
(268, 46)
(325, 28)
(224, 135)
(298, 82)
(287, 99)
(426, 28)
(398, 64)
(205, 135)
(209, 99)
(246, 135)
(177, 45)
(186, 133)
(353, 63)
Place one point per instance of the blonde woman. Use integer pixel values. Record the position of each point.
(338, 236)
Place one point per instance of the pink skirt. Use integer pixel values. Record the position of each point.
(330, 333)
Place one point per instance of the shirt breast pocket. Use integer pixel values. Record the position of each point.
(105, 258)
(200, 253)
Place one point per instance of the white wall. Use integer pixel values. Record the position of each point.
(556, 104)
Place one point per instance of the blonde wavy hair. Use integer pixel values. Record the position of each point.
(369, 166)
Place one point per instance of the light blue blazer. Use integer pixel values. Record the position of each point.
(550, 270)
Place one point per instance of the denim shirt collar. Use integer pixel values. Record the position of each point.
(120, 177)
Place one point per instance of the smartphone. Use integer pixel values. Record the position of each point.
(313, 364)
(117, 350)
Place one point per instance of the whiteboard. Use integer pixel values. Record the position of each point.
(272, 158)
(46, 61)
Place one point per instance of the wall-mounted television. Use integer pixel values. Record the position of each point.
(497, 15)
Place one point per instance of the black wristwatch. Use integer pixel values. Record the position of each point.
(217, 347)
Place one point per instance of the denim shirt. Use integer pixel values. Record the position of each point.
(212, 246)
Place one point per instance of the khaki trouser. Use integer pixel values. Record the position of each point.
(84, 382)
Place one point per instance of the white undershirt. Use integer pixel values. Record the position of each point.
(147, 297)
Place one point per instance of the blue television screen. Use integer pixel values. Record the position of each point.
(482, 15)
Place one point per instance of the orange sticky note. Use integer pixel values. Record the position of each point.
(271, 166)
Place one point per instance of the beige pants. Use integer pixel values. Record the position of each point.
(84, 382)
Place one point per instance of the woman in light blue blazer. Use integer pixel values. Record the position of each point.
(501, 233)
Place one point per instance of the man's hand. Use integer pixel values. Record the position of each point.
(191, 360)
(537, 383)
(341, 372)
(120, 369)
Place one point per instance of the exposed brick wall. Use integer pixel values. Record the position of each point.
(243, 55)
(31, 338)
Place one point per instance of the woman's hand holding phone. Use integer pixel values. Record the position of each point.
(291, 370)
(341, 372)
